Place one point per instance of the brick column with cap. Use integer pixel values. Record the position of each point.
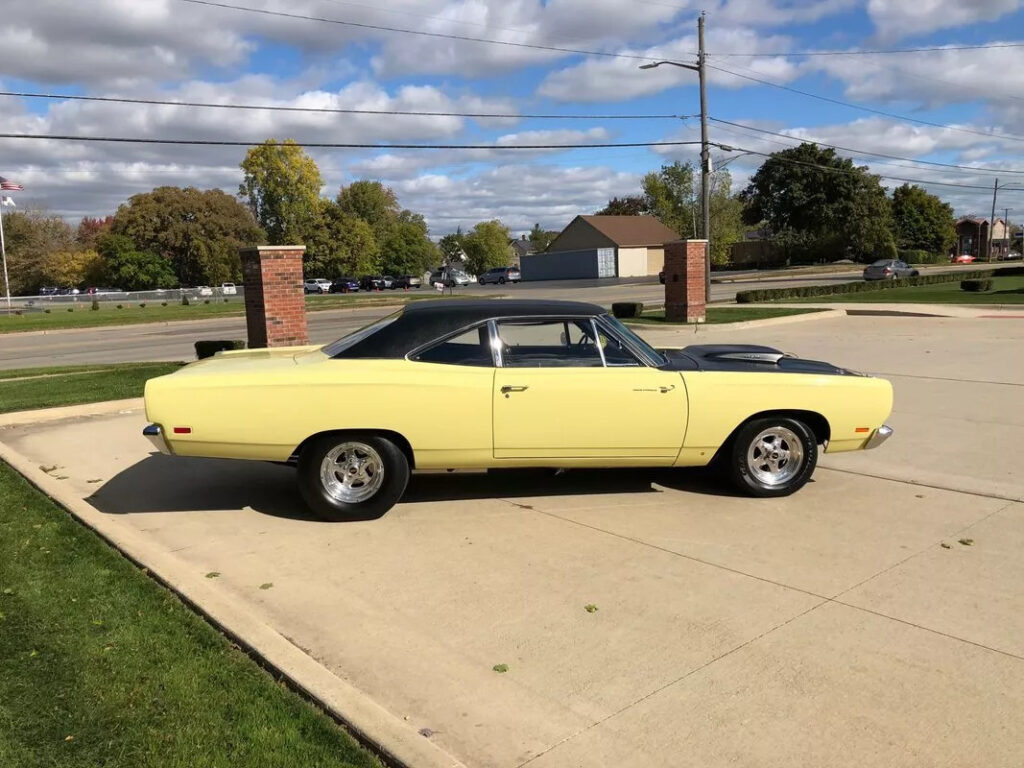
(275, 302)
(684, 281)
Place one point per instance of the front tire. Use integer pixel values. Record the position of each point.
(773, 456)
(352, 476)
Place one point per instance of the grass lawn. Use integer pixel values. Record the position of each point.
(1005, 290)
(48, 387)
(717, 315)
(101, 666)
(131, 313)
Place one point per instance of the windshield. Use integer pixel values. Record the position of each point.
(653, 356)
(337, 347)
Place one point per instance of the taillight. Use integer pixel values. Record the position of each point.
(887, 270)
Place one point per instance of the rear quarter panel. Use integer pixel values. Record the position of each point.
(721, 401)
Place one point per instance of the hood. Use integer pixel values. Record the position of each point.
(745, 357)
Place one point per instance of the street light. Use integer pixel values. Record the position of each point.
(705, 149)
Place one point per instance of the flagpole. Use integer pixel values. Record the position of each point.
(3, 256)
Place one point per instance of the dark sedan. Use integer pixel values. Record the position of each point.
(408, 281)
(889, 269)
(345, 285)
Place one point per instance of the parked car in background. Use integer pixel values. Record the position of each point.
(204, 290)
(317, 285)
(449, 277)
(408, 281)
(96, 291)
(512, 383)
(963, 258)
(889, 269)
(48, 290)
(371, 282)
(500, 275)
(228, 289)
(389, 282)
(344, 285)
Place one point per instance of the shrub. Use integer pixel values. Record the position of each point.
(811, 291)
(142, 305)
(917, 256)
(120, 306)
(208, 348)
(163, 303)
(184, 300)
(627, 309)
(976, 286)
(17, 312)
(207, 301)
(46, 311)
(95, 305)
(225, 301)
(72, 309)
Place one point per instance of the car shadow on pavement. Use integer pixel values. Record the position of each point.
(162, 483)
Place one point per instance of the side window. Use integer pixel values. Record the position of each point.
(548, 344)
(469, 348)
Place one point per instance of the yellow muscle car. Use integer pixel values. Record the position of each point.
(509, 383)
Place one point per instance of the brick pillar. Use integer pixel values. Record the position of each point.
(684, 280)
(275, 303)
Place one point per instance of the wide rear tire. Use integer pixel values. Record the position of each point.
(352, 476)
(772, 456)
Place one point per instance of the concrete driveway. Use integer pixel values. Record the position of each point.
(844, 626)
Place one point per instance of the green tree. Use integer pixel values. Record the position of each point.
(818, 205)
(199, 232)
(631, 205)
(726, 218)
(281, 185)
(131, 269)
(407, 250)
(540, 239)
(340, 244)
(922, 221)
(486, 246)
(372, 202)
(669, 195)
(30, 238)
(451, 247)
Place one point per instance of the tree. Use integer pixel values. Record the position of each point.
(631, 205)
(131, 269)
(31, 236)
(818, 205)
(726, 218)
(90, 229)
(199, 232)
(451, 247)
(372, 202)
(486, 246)
(669, 195)
(540, 239)
(282, 187)
(65, 269)
(340, 244)
(407, 250)
(922, 221)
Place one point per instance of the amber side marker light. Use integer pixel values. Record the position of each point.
(858, 429)
(187, 430)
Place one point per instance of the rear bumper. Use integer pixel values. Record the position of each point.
(155, 435)
(881, 434)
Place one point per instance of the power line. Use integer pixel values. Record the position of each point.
(877, 52)
(337, 145)
(420, 32)
(331, 110)
(866, 152)
(861, 107)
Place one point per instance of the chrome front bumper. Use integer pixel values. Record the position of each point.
(881, 434)
(155, 435)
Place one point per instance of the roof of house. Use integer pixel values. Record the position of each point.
(632, 230)
(522, 247)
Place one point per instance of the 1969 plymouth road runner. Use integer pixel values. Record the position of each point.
(506, 383)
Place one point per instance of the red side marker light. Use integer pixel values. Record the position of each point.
(183, 430)
(858, 429)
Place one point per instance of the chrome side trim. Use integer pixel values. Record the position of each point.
(753, 357)
(155, 435)
(881, 434)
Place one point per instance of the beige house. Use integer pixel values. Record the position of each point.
(638, 241)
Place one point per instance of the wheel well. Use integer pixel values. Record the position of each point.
(817, 423)
(395, 437)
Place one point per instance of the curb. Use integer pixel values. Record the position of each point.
(45, 415)
(373, 726)
(740, 324)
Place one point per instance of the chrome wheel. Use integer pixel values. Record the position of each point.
(352, 472)
(775, 456)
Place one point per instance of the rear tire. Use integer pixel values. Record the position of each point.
(352, 476)
(773, 456)
(501, 281)
(482, 281)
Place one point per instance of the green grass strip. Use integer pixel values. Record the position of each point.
(29, 388)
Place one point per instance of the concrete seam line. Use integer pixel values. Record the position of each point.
(904, 481)
(377, 728)
(42, 415)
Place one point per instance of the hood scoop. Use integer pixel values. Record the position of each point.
(736, 353)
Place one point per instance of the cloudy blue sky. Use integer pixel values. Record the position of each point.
(969, 103)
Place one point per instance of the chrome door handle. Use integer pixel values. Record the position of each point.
(507, 388)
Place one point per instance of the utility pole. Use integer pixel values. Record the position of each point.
(705, 158)
(992, 219)
(1006, 230)
(705, 148)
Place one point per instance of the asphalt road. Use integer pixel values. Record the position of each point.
(174, 341)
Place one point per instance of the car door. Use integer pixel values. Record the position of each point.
(557, 395)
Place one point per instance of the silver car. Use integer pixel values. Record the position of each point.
(889, 269)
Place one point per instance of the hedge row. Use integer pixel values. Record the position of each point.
(976, 286)
(915, 256)
(626, 309)
(811, 291)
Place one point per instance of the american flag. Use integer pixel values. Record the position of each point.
(9, 186)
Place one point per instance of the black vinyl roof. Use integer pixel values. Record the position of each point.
(424, 321)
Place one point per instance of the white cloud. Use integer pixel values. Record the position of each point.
(895, 19)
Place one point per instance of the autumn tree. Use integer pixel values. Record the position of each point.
(199, 232)
(281, 185)
(486, 246)
(65, 269)
(30, 238)
(90, 229)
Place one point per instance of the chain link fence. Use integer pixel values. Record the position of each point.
(66, 297)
